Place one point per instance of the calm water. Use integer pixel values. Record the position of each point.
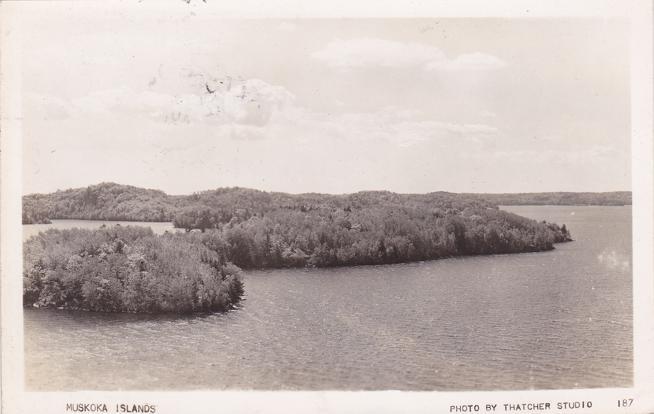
(33, 229)
(559, 319)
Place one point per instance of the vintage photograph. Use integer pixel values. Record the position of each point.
(362, 204)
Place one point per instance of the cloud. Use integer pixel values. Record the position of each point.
(245, 102)
(594, 155)
(367, 52)
(471, 62)
(401, 127)
(357, 53)
(287, 27)
(250, 110)
(488, 114)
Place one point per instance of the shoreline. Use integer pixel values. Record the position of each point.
(253, 271)
(181, 228)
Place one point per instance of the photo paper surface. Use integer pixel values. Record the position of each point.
(423, 209)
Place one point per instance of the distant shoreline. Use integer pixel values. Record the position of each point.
(116, 202)
(170, 221)
(255, 229)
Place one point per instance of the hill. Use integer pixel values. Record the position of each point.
(110, 201)
(254, 229)
(105, 201)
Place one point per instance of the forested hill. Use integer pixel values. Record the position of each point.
(253, 228)
(613, 198)
(105, 201)
(109, 201)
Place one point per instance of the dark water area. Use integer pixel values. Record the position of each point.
(557, 319)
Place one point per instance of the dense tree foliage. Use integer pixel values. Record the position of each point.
(374, 232)
(126, 269)
(255, 229)
(35, 211)
(211, 209)
(106, 201)
(130, 269)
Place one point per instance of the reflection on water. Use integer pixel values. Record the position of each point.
(559, 319)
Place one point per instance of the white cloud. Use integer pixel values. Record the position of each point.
(469, 61)
(366, 52)
(248, 102)
(354, 53)
(251, 110)
(488, 114)
(389, 125)
(287, 27)
(595, 155)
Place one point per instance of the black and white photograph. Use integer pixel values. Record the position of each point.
(223, 203)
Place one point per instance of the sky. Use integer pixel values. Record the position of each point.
(183, 100)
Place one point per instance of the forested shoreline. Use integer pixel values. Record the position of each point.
(110, 201)
(613, 198)
(130, 269)
(372, 228)
(126, 269)
(256, 229)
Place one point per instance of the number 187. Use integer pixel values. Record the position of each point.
(625, 402)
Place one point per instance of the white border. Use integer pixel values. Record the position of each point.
(16, 400)
(11, 189)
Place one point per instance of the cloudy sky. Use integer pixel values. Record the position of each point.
(185, 101)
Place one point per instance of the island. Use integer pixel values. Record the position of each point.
(131, 269)
(126, 269)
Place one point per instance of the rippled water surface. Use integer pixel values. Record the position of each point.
(559, 319)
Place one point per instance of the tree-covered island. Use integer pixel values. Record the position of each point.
(126, 269)
(130, 269)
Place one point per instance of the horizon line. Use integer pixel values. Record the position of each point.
(326, 193)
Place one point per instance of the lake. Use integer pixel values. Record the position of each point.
(34, 229)
(557, 319)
